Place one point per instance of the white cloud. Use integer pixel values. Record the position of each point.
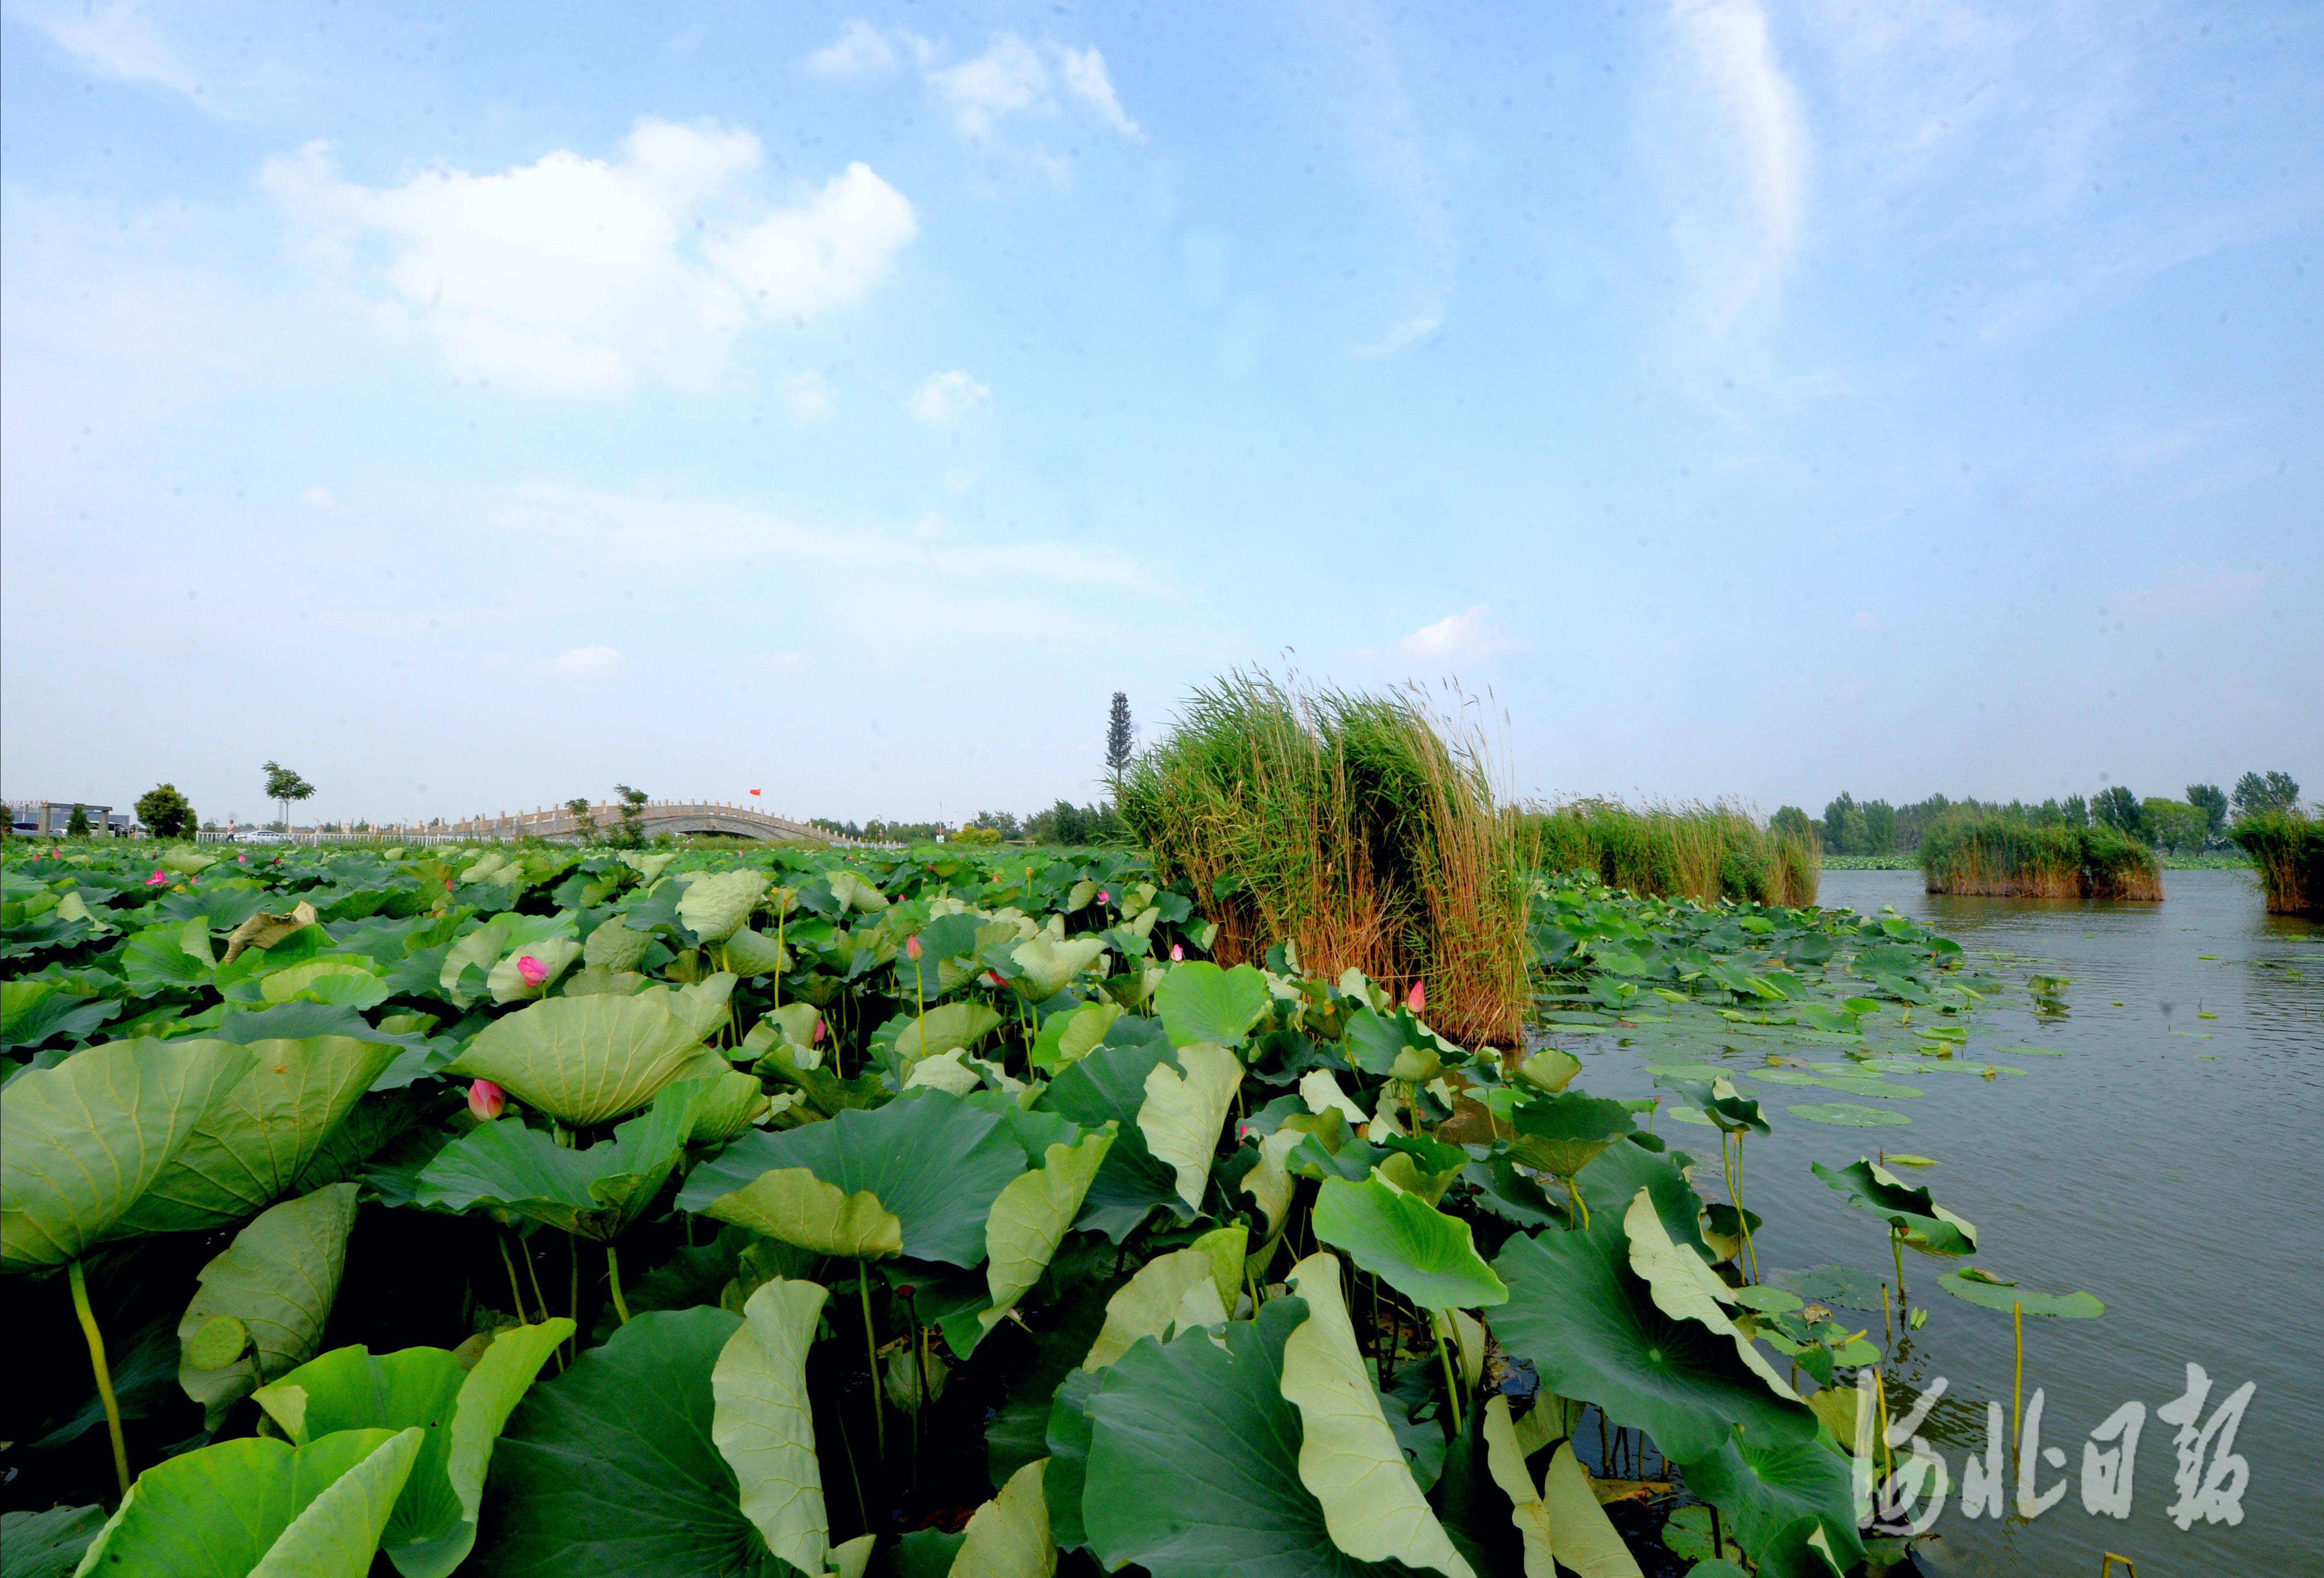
(807, 397)
(1741, 175)
(859, 51)
(1086, 79)
(944, 398)
(116, 37)
(578, 275)
(1470, 633)
(581, 663)
(1006, 78)
(1404, 334)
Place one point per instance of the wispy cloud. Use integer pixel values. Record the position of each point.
(1470, 633)
(1012, 77)
(576, 276)
(115, 38)
(944, 398)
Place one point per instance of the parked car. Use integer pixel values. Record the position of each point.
(260, 835)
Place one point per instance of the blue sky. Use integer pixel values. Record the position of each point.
(1735, 398)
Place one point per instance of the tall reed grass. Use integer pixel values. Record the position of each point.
(2008, 857)
(1704, 853)
(2288, 848)
(1350, 826)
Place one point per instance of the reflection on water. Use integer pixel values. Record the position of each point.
(2157, 1164)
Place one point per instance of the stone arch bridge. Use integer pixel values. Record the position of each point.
(659, 816)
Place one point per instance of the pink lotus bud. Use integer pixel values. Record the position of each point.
(912, 949)
(533, 971)
(1177, 952)
(1103, 897)
(486, 1099)
(157, 880)
(992, 978)
(816, 1038)
(1417, 997)
(241, 860)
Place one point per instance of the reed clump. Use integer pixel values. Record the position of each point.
(2288, 849)
(1704, 852)
(1350, 826)
(2010, 857)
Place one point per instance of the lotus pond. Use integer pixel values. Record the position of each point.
(549, 1210)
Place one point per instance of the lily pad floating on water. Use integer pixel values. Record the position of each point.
(1981, 1288)
(1841, 1287)
(1848, 1115)
(2031, 1051)
(1693, 1115)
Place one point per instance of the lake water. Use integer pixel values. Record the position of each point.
(2157, 1164)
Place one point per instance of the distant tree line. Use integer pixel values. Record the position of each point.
(2191, 825)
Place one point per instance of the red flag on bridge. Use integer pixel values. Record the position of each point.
(754, 791)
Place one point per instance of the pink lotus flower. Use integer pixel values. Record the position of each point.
(816, 1038)
(992, 978)
(1103, 897)
(1177, 952)
(157, 880)
(912, 949)
(1417, 997)
(486, 1099)
(533, 971)
(241, 860)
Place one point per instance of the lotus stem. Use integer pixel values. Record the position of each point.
(1896, 1242)
(1887, 1454)
(847, 1445)
(103, 1373)
(2017, 1383)
(1741, 1216)
(614, 1281)
(1573, 1193)
(516, 1296)
(1452, 1381)
(871, 1357)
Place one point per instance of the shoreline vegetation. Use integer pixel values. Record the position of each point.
(1704, 852)
(2288, 849)
(2232, 859)
(2005, 857)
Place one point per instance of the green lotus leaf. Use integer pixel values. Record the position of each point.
(615, 948)
(1593, 1333)
(1066, 1435)
(705, 1005)
(794, 1206)
(81, 1142)
(345, 982)
(1841, 1287)
(1179, 1290)
(1907, 1208)
(1029, 1218)
(1048, 964)
(1991, 1293)
(1348, 1459)
(1552, 1068)
(279, 1278)
(1561, 1135)
(433, 1526)
(1194, 1460)
(1009, 1535)
(1848, 1115)
(592, 1194)
(1764, 1488)
(1109, 1084)
(583, 1059)
(730, 1101)
(932, 1160)
(264, 928)
(34, 1011)
(1684, 1287)
(954, 1025)
(1067, 1038)
(155, 960)
(1199, 1002)
(1505, 1461)
(751, 954)
(853, 892)
(258, 1505)
(763, 1424)
(46, 1545)
(258, 1137)
(611, 1469)
(1585, 1539)
(1181, 1113)
(553, 954)
(648, 866)
(714, 904)
(1417, 1249)
(1717, 1100)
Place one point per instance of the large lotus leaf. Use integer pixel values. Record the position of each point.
(1613, 1181)
(1593, 1331)
(853, 892)
(1110, 1085)
(730, 1101)
(551, 956)
(156, 959)
(349, 983)
(1981, 1288)
(751, 954)
(592, 1193)
(1562, 1134)
(1419, 1250)
(583, 1059)
(1199, 1002)
(933, 1161)
(797, 1207)
(1166, 1288)
(264, 928)
(1764, 1488)
(715, 904)
(1926, 1225)
(256, 1138)
(943, 1028)
(80, 1142)
(611, 1469)
(704, 1005)
(764, 1426)
(278, 1280)
(1586, 1541)
(1348, 1459)
(1065, 1039)
(1047, 964)
(1009, 1535)
(1068, 1438)
(1193, 1462)
(32, 1011)
(1684, 1287)
(258, 1505)
(1029, 1218)
(46, 1545)
(1505, 1461)
(434, 1524)
(1183, 1112)
(615, 948)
